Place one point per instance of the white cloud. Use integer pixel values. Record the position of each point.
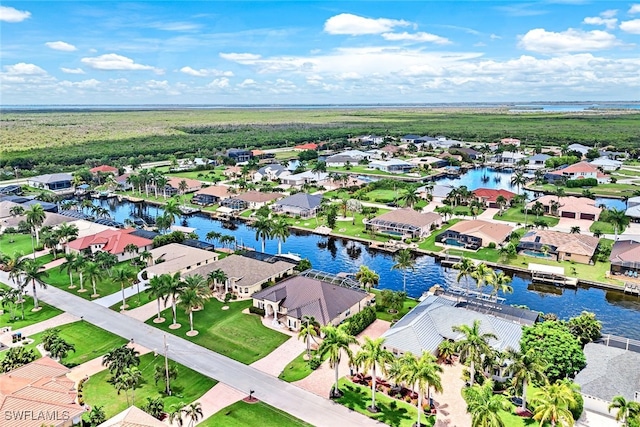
(72, 70)
(175, 26)
(494, 37)
(239, 57)
(609, 13)
(9, 14)
(221, 83)
(205, 72)
(632, 26)
(419, 37)
(247, 83)
(354, 25)
(83, 84)
(23, 69)
(571, 40)
(635, 8)
(115, 62)
(606, 18)
(59, 45)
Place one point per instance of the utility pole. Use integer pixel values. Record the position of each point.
(166, 364)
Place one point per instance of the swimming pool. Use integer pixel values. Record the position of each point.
(452, 242)
(394, 233)
(536, 254)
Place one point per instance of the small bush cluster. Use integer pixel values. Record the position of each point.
(256, 310)
(585, 182)
(359, 321)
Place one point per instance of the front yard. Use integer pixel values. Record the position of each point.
(515, 214)
(30, 317)
(231, 333)
(241, 414)
(13, 243)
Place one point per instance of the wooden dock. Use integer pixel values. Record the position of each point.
(632, 288)
(551, 275)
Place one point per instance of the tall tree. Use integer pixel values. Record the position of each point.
(525, 368)
(191, 299)
(518, 180)
(553, 404)
(94, 274)
(423, 374)
(626, 410)
(193, 412)
(35, 217)
(157, 290)
(404, 261)
(308, 330)
(218, 277)
(474, 345)
(264, 229)
(500, 282)
(619, 220)
(172, 289)
(465, 268)
(367, 277)
(33, 272)
(484, 405)
(336, 342)
(371, 355)
(123, 276)
(119, 359)
(68, 265)
(280, 230)
(319, 168)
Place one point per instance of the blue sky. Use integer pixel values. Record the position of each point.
(226, 52)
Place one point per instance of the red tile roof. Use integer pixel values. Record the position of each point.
(113, 241)
(492, 195)
(191, 183)
(308, 146)
(581, 167)
(104, 168)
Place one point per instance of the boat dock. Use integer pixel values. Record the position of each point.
(632, 288)
(551, 275)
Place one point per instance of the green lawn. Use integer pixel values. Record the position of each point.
(429, 243)
(242, 414)
(298, 368)
(13, 243)
(90, 342)
(187, 387)
(382, 313)
(392, 412)
(514, 214)
(133, 301)
(461, 210)
(30, 317)
(385, 196)
(60, 280)
(229, 332)
(348, 228)
(603, 227)
(605, 190)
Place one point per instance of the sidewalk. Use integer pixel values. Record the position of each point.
(27, 331)
(146, 311)
(217, 398)
(94, 366)
(275, 362)
(116, 297)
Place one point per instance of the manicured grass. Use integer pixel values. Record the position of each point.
(348, 228)
(187, 387)
(429, 243)
(30, 317)
(461, 210)
(514, 214)
(616, 190)
(392, 412)
(134, 301)
(13, 243)
(297, 369)
(385, 196)
(382, 313)
(229, 332)
(242, 414)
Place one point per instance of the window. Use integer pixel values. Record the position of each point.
(261, 305)
(246, 290)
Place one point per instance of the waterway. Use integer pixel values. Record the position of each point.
(619, 313)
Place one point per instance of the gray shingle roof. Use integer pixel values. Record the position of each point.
(609, 372)
(53, 177)
(245, 270)
(301, 200)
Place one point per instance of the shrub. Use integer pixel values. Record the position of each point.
(359, 321)
(256, 310)
(314, 363)
(585, 182)
(492, 245)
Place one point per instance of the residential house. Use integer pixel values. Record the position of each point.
(391, 166)
(232, 172)
(239, 155)
(327, 298)
(560, 246)
(569, 207)
(633, 209)
(123, 182)
(300, 204)
(39, 393)
(509, 158)
(448, 157)
(433, 162)
(306, 147)
(191, 185)
(257, 199)
(52, 181)
(489, 197)
(579, 170)
(410, 139)
(610, 372)
(378, 154)
(469, 152)
(370, 139)
(537, 161)
(438, 192)
(261, 155)
(474, 234)
(390, 149)
(212, 195)
(104, 169)
(247, 273)
(307, 177)
(177, 258)
(132, 417)
(27, 202)
(270, 172)
(351, 157)
(510, 141)
(112, 241)
(606, 164)
(11, 190)
(625, 257)
(407, 223)
(582, 149)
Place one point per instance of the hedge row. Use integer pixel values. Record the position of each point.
(359, 321)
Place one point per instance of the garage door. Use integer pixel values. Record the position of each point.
(590, 217)
(568, 214)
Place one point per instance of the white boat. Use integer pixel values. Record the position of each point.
(292, 256)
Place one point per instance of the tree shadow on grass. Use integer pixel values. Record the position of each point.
(358, 400)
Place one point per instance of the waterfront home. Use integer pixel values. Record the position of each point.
(568, 207)
(262, 155)
(270, 172)
(39, 393)
(307, 177)
(474, 234)
(406, 223)
(132, 417)
(579, 170)
(606, 164)
(378, 154)
(510, 141)
(508, 158)
(104, 169)
(51, 219)
(537, 161)
(26, 203)
(327, 298)
(370, 139)
(433, 162)
(239, 155)
(633, 209)
(177, 258)
(391, 166)
(191, 185)
(489, 197)
(438, 192)
(212, 195)
(625, 258)
(52, 181)
(610, 372)
(431, 322)
(390, 149)
(351, 157)
(115, 242)
(411, 139)
(559, 246)
(257, 199)
(469, 152)
(247, 273)
(582, 149)
(122, 181)
(300, 204)
(11, 190)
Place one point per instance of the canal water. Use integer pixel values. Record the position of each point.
(619, 313)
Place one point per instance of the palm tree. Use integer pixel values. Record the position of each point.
(538, 209)
(552, 404)
(191, 299)
(172, 210)
(500, 283)
(175, 413)
(336, 341)
(94, 274)
(319, 168)
(218, 277)
(14, 265)
(308, 330)
(157, 290)
(373, 354)
(193, 412)
(264, 228)
(525, 368)
(213, 236)
(32, 272)
(35, 217)
(367, 277)
(280, 230)
(518, 180)
(446, 211)
(78, 266)
(466, 268)
(483, 274)
(155, 407)
(618, 219)
(575, 229)
(59, 348)
(132, 377)
(474, 346)
(404, 261)
(501, 201)
(424, 373)
(484, 405)
(119, 359)
(626, 409)
(446, 350)
(66, 231)
(172, 290)
(410, 198)
(123, 276)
